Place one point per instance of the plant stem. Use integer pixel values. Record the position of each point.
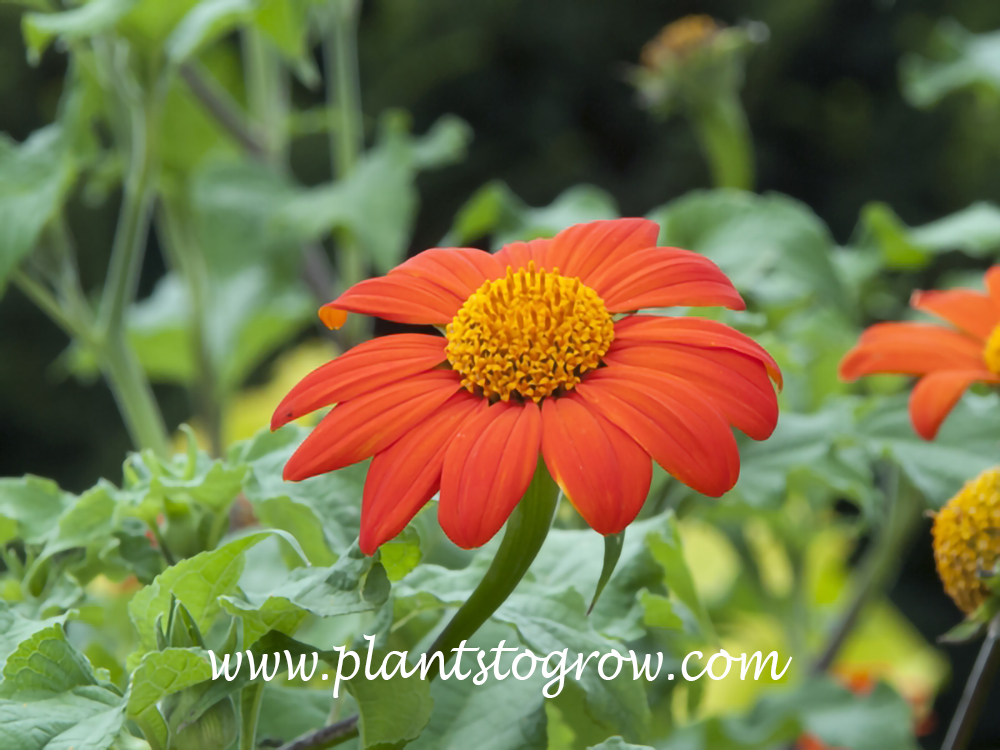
(266, 96)
(976, 690)
(226, 112)
(122, 370)
(526, 530)
(185, 257)
(721, 127)
(880, 565)
(48, 304)
(343, 91)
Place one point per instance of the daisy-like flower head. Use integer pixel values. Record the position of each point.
(966, 541)
(946, 359)
(542, 354)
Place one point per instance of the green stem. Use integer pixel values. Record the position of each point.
(343, 89)
(48, 304)
(133, 394)
(129, 245)
(880, 566)
(722, 130)
(527, 528)
(266, 96)
(184, 255)
(976, 690)
(343, 93)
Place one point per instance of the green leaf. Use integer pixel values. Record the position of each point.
(966, 62)
(347, 587)
(87, 524)
(159, 674)
(574, 559)
(287, 713)
(249, 315)
(668, 550)
(974, 231)
(774, 248)
(35, 177)
(497, 715)
(495, 210)
(87, 20)
(203, 24)
(377, 202)
(15, 629)
(323, 513)
(30, 508)
(659, 613)
(551, 623)
(46, 663)
(808, 454)
(839, 718)
(197, 583)
(88, 718)
(392, 711)
(965, 446)
(401, 555)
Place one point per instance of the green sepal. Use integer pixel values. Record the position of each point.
(974, 625)
(613, 544)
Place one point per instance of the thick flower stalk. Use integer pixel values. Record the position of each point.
(967, 540)
(543, 354)
(946, 359)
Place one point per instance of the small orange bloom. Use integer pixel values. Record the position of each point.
(541, 354)
(947, 360)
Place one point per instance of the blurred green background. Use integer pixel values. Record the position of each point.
(543, 87)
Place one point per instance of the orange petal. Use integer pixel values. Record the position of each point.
(694, 333)
(517, 254)
(973, 312)
(458, 270)
(403, 477)
(368, 366)
(332, 318)
(365, 425)
(680, 428)
(935, 395)
(666, 277)
(587, 251)
(401, 298)
(911, 349)
(487, 470)
(992, 280)
(736, 383)
(604, 472)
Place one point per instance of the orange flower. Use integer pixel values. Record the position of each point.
(947, 360)
(533, 360)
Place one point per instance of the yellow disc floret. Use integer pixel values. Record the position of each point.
(967, 540)
(531, 333)
(991, 354)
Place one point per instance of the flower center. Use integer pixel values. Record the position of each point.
(530, 333)
(991, 354)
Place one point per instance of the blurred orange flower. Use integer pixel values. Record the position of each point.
(947, 360)
(533, 360)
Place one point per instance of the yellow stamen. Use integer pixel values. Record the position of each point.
(967, 540)
(532, 333)
(991, 354)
